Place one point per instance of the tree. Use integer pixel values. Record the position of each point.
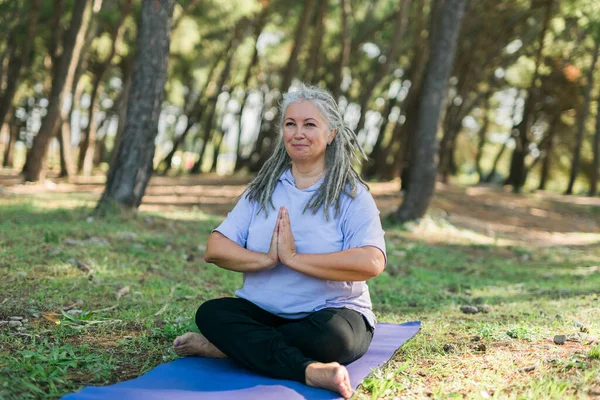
(581, 119)
(61, 84)
(596, 150)
(517, 173)
(344, 55)
(19, 62)
(259, 24)
(423, 170)
(232, 47)
(129, 175)
(287, 77)
(367, 92)
(87, 144)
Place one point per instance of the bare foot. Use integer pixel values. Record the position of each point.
(194, 344)
(332, 376)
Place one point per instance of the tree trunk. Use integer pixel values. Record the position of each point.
(130, 173)
(405, 135)
(344, 51)
(399, 145)
(315, 53)
(61, 84)
(87, 146)
(217, 142)
(288, 76)
(596, 150)
(212, 102)
(299, 39)
(546, 151)
(197, 111)
(5, 129)
(581, 121)
(423, 170)
(390, 58)
(126, 67)
(516, 176)
(100, 150)
(17, 63)
(468, 72)
(376, 159)
(258, 28)
(481, 136)
(490, 176)
(194, 116)
(67, 164)
(9, 151)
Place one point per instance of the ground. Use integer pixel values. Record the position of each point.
(103, 298)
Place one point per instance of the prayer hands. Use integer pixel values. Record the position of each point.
(272, 254)
(286, 247)
(283, 248)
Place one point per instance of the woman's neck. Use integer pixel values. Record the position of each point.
(307, 175)
(307, 171)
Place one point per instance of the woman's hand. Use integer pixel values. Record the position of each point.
(286, 248)
(273, 253)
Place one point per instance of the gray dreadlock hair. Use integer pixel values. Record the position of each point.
(341, 176)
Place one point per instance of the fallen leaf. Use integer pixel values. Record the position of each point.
(83, 266)
(51, 316)
(122, 292)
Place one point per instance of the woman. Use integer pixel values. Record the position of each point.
(306, 235)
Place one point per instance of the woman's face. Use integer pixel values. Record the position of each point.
(305, 132)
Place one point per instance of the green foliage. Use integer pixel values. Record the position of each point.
(594, 353)
(381, 383)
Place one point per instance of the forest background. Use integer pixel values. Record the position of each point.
(484, 113)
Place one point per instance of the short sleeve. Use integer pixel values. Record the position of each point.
(362, 226)
(235, 227)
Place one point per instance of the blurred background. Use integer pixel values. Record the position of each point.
(520, 106)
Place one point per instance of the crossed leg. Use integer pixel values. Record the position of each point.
(308, 350)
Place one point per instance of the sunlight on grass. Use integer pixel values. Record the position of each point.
(103, 299)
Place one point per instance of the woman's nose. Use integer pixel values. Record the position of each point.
(299, 132)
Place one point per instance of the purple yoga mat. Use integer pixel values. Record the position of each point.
(222, 379)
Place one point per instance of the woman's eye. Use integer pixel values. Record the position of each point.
(289, 124)
(310, 124)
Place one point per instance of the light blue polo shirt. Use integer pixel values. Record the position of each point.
(289, 293)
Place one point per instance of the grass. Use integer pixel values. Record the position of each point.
(104, 298)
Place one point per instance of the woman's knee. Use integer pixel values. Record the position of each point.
(207, 313)
(341, 340)
(338, 344)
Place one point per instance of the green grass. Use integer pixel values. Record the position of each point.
(116, 318)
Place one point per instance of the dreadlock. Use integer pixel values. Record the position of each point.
(341, 177)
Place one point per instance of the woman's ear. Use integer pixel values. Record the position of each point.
(332, 135)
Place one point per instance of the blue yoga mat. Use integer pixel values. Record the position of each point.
(222, 379)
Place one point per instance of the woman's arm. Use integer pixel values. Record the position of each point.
(356, 264)
(227, 254)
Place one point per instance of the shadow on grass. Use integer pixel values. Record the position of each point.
(419, 276)
(159, 260)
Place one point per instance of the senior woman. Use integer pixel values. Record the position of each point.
(306, 235)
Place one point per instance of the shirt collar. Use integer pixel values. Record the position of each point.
(288, 178)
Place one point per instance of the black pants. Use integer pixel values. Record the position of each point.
(278, 347)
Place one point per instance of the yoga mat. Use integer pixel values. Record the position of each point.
(222, 379)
